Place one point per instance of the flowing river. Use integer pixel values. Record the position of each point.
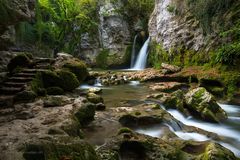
(135, 93)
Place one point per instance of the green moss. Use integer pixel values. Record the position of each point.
(68, 81)
(101, 59)
(137, 113)
(73, 129)
(79, 68)
(124, 130)
(55, 91)
(25, 96)
(86, 113)
(37, 85)
(21, 60)
(127, 55)
(50, 79)
(55, 151)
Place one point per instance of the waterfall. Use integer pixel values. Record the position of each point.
(133, 52)
(142, 57)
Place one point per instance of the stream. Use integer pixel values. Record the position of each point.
(135, 93)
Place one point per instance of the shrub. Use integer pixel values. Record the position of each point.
(68, 81)
(79, 68)
(21, 60)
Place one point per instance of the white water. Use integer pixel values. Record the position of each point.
(142, 57)
(133, 52)
(230, 134)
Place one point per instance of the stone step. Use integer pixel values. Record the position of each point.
(25, 75)
(44, 60)
(20, 79)
(10, 90)
(42, 66)
(32, 70)
(13, 84)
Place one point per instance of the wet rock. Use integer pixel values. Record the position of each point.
(215, 151)
(54, 101)
(167, 86)
(95, 90)
(86, 113)
(64, 149)
(24, 115)
(167, 68)
(100, 107)
(201, 102)
(94, 98)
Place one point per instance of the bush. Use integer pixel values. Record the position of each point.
(55, 91)
(79, 68)
(21, 60)
(68, 81)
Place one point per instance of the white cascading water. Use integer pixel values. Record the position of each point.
(133, 52)
(141, 61)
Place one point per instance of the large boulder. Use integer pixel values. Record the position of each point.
(201, 102)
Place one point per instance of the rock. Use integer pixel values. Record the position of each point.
(54, 101)
(100, 107)
(200, 101)
(20, 60)
(86, 113)
(167, 86)
(215, 151)
(25, 96)
(64, 149)
(68, 80)
(167, 68)
(24, 115)
(95, 90)
(94, 98)
(55, 131)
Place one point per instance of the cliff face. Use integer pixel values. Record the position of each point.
(172, 30)
(12, 12)
(113, 37)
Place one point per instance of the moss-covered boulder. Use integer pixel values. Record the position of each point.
(25, 96)
(94, 98)
(86, 113)
(21, 60)
(49, 79)
(55, 91)
(215, 151)
(176, 101)
(51, 150)
(202, 103)
(68, 81)
(77, 67)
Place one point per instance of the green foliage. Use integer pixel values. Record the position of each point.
(101, 59)
(21, 60)
(25, 33)
(207, 11)
(171, 8)
(79, 68)
(61, 23)
(229, 53)
(68, 81)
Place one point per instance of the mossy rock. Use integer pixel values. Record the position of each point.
(50, 79)
(68, 81)
(54, 101)
(74, 150)
(124, 130)
(79, 68)
(25, 96)
(37, 85)
(86, 113)
(215, 151)
(21, 60)
(202, 103)
(55, 91)
(94, 98)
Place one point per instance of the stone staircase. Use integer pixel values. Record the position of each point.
(18, 81)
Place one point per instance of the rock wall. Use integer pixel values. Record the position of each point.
(113, 36)
(12, 12)
(172, 30)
